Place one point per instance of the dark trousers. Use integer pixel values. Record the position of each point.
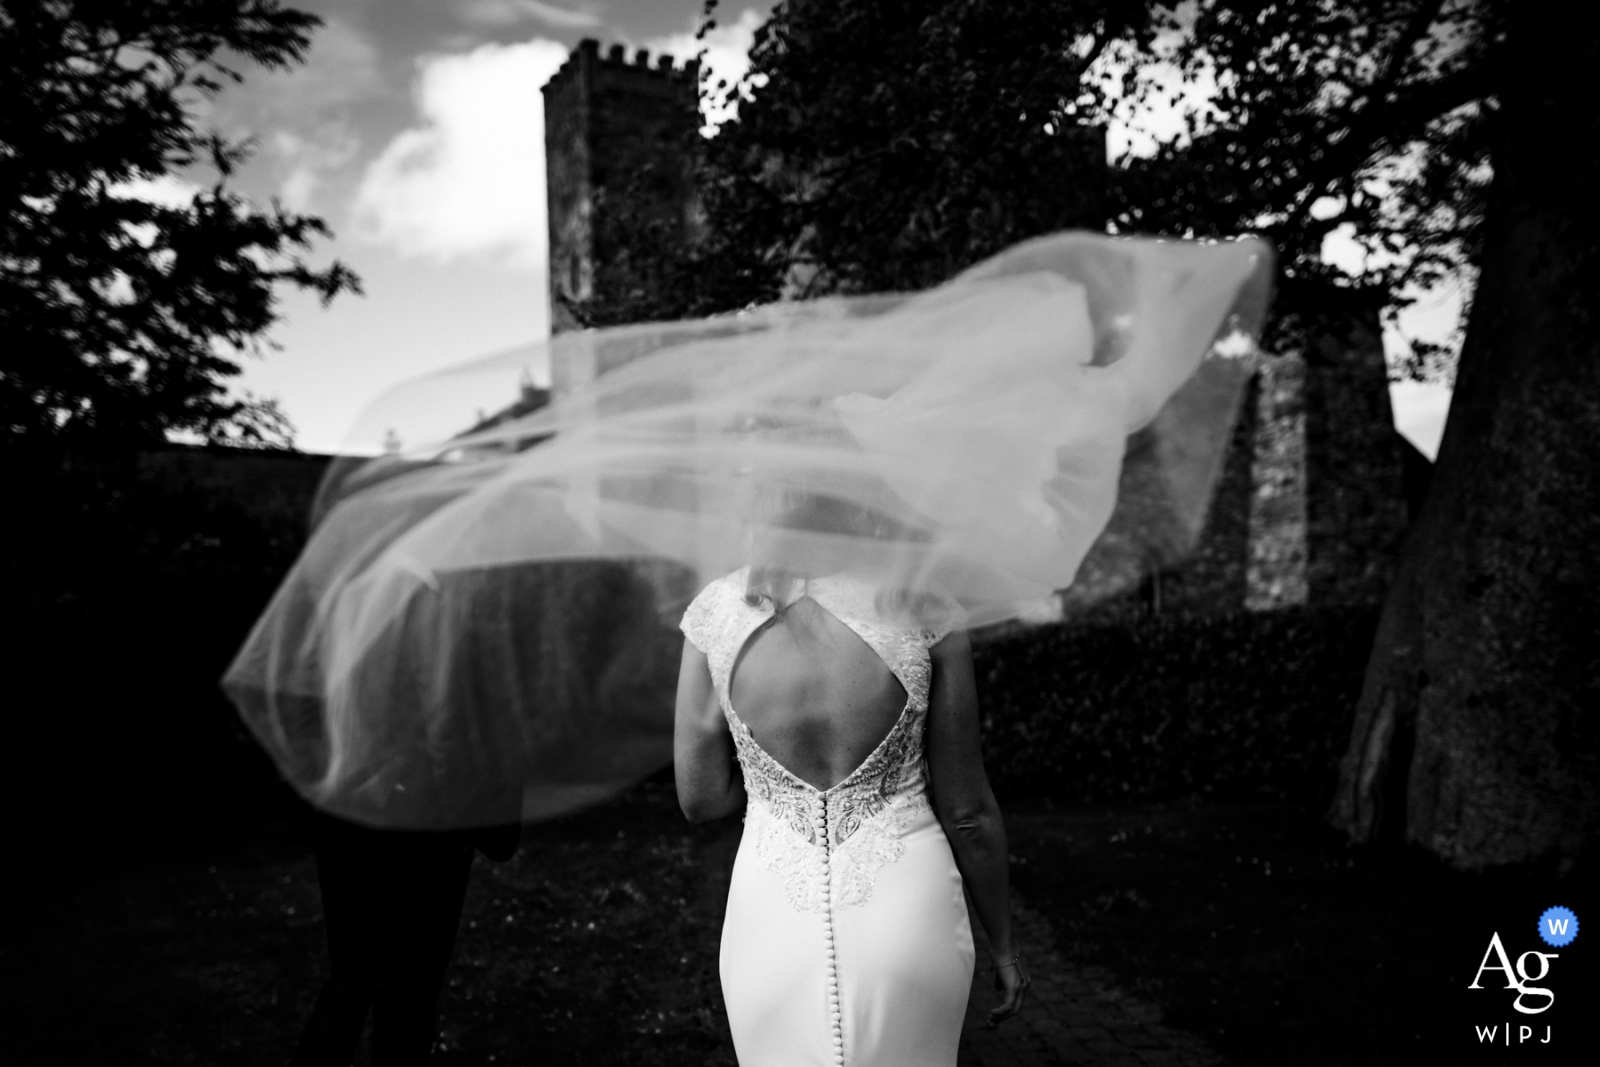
(391, 903)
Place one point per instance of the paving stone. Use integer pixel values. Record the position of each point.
(1075, 1016)
(1145, 1037)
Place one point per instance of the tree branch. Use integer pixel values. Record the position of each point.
(1095, 51)
(1394, 63)
(1384, 124)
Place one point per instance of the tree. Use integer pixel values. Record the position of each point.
(1431, 128)
(890, 144)
(124, 318)
(1476, 734)
(887, 145)
(880, 152)
(1317, 115)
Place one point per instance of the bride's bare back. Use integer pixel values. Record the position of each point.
(815, 696)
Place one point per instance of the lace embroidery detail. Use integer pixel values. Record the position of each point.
(866, 813)
(846, 876)
(864, 816)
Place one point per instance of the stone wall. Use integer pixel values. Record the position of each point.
(1277, 554)
(1313, 499)
(268, 485)
(1214, 577)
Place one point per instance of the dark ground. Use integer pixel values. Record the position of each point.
(1251, 925)
(1256, 927)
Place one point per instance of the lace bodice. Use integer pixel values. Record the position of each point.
(825, 844)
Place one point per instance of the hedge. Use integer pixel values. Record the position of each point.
(1253, 705)
(135, 579)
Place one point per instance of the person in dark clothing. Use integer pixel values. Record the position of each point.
(391, 902)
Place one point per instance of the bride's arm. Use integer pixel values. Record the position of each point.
(709, 783)
(968, 812)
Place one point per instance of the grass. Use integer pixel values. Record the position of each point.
(1260, 929)
(595, 944)
(1250, 924)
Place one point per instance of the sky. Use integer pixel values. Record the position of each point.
(416, 130)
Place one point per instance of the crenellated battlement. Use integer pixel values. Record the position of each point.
(616, 61)
(618, 55)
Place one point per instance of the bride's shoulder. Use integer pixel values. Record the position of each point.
(729, 586)
(935, 613)
(940, 615)
(930, 613)
(709, 611)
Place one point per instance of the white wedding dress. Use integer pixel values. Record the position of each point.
(846, 940)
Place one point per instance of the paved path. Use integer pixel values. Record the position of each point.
(1073, 1017)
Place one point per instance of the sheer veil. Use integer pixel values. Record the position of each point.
(481, 626)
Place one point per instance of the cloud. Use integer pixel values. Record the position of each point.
(317, 136)
(307, 160)
(167, 190)
(469, 181)
(510, 12)
(727, 57)
(305, 114)
(342, 68)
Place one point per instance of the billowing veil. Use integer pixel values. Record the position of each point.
(481, 627)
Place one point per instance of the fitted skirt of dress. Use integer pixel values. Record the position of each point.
(877, 982)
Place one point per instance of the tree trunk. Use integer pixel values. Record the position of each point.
(1476, 732)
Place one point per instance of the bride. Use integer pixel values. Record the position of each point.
(853, 720)
(871, 477)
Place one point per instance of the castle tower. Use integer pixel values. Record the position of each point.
(617, 134)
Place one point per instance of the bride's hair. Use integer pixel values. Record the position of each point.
(776, 577)
(781, 583)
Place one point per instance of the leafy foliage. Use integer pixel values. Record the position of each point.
(124, 315)
(887, 145)
(1367, 115)
(894, 143)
